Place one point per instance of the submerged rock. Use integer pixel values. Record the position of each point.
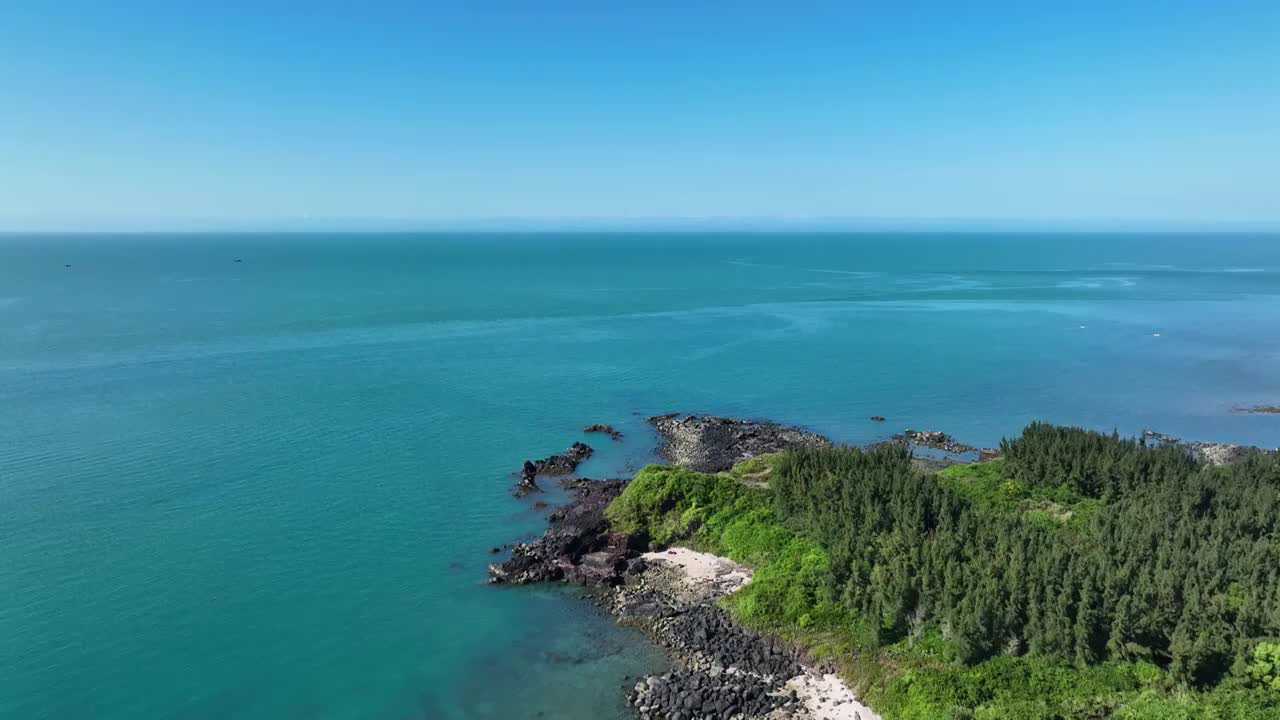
(712, 444)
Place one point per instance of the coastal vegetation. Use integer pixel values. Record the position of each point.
(1082, 576)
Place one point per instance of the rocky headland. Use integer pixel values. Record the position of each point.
(671, 594)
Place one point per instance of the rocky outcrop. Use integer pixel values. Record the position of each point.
(935, 439)
(562, 464)
(1257, 409)
(528, 480)
(712, 444)
(609, 430)
(1219, 453)
(578, 546)
(1211, 453)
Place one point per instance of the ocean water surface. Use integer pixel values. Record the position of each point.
(257, 476)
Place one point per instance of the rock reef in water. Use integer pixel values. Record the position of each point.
(603, 428)
(562, 464)
(1257, 409)
(713, 444)
(935, 439)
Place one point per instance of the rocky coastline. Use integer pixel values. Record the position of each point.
(1212, 453)
(722, 670)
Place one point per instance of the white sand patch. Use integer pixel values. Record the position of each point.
(826, 697)
(703, 571)
(701, 576)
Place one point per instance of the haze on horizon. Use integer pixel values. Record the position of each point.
(146, 115)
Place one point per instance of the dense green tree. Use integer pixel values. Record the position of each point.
(1081, 546)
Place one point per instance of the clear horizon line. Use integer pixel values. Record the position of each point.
(832, 223)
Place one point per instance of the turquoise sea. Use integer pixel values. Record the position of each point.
(266, 489)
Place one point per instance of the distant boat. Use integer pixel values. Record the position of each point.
(239, 260)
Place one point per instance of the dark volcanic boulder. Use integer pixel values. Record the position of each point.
(566, 462)
(528, 479)
(711, 444)
(562, 464)
(577, 546)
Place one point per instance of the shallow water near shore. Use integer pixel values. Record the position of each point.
(268, 488)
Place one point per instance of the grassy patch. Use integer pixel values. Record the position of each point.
(988, 487)
(755, 472)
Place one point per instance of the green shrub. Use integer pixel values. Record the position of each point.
(1264, 671)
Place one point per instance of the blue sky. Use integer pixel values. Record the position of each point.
(238, 114)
